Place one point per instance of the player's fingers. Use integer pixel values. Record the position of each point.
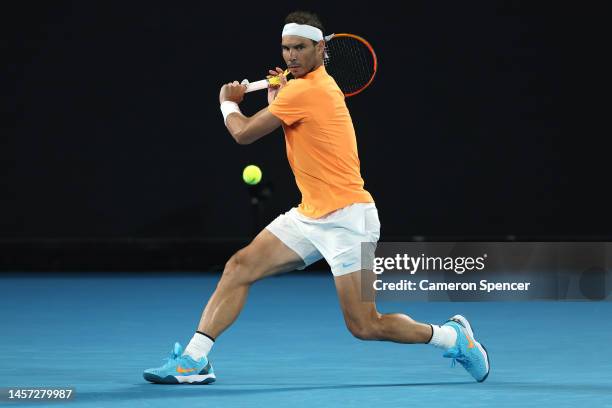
(279, 70)
(272, 72)
(237, 85)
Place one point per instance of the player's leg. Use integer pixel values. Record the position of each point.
(279, 248)
(266, 255)
(456, 337)
(348, 240)
(365, 322)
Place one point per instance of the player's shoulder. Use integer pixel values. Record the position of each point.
(298, 85)
(296, 88)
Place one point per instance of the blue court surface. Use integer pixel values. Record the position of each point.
(289, 348)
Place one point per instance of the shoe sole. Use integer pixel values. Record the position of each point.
(198, 379)
(466, 325)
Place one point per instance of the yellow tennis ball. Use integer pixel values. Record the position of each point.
(251, 174)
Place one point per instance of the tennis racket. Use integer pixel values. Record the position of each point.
(349, 59)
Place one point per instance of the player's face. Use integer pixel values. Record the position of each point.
(301, 55)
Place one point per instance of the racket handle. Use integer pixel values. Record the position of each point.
(263, 84)
(257, 85)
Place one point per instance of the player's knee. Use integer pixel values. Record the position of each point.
(363, 329)
(236, 270)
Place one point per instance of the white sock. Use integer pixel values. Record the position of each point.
(444, 337)
(199, 346)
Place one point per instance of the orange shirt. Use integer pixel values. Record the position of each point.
(321, 143)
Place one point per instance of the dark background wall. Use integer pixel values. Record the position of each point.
(111, 130)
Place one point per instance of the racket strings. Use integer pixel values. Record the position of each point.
(350, 62)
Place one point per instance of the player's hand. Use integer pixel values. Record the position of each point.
(233, 91)
(273, 89)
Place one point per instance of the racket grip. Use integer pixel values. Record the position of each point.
(257, 85)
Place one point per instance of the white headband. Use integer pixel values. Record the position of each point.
(303, 30)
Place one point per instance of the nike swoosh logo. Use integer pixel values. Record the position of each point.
(346, 265)
(182, 370)
(470, 342)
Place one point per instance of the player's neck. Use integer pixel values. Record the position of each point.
(315, 67)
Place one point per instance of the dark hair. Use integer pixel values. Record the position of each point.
(305, 17)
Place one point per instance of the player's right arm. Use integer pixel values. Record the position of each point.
(244, 129)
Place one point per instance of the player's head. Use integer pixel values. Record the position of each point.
(302, 42)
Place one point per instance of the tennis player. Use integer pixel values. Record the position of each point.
(335, 216)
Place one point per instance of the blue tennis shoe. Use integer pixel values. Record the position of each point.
(467, 351)
(180, 369)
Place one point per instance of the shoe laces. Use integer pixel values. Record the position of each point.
(458, 356)
(171, 359)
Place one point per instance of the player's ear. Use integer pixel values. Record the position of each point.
(320, 47)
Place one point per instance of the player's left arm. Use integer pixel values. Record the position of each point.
(245, 129)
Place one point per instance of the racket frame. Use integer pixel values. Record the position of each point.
(263, 84)
(370, 48)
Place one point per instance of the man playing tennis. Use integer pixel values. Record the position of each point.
(335, 216)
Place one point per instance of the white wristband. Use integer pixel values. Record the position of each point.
(228, 107)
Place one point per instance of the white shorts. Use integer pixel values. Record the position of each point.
(337, 237)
